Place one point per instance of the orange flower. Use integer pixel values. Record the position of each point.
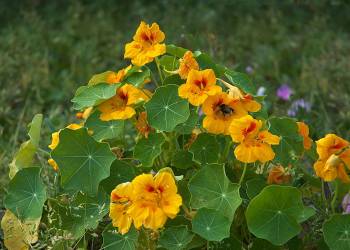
(187, 62)
(142, 124)
(334, 155)
(120, 107)
(114, 77)
(247, 100)
(255, 145)
(278, 175)
(220, 110)
(85, 114)
(121, 200)
(199, 85)
(304, 132)
(146, 45)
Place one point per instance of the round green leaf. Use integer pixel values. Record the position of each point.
(82, 161)
(175, 238)
(241, 80)
(211, 225)
(336, 232)
(121, 172)
(182, 159)
(254, 186)
(88, 96)
(188, 126)
(291, 143)
(112, 240)
(166, 109)
(26, 194)
(216, 192)
(275, 214)
(205, 149)
(103, 130)
(147, 149)
(137, 76)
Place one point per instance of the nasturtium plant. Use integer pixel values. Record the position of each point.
(176, 151)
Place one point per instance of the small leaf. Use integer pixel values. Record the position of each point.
(206, 62)
(205, 149)
(216, 192)
(211, 225)
(82, 161)
(137, 76)
(24, 156)
(275, 214)
(147, 149)
(240, 80)
(170, 63)
(174, 80)
(291, 143)
(188, 126)
(26, 194)
(89, 96)
(254, 187)
(175, 238)
(166, 109)
(112, 240)
(103, 130)
(336, 232)
(121, 171)
(175, 51)
(182, 159)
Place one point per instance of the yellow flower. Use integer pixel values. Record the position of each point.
(304, 132)
(199, 85)
(187, 63)
(119, 107)
(220, 110)
(121, 199)
(247, 100)
(146, 45)
(278, 175)
(142, 125)
(55, 139)
(155, 200)
(334, 155)
(255, 145)
(116, 77)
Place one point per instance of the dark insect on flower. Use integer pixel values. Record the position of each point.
(226, 110)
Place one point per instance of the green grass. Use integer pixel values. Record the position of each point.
(48, 49)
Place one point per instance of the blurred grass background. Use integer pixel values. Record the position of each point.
(49, 48)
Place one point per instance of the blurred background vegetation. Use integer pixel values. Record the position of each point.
(49, 48)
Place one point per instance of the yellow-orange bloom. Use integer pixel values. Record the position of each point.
(187, 63)
(278, 175)
(142, 125)
(199, 85)
(304, 132)
(119, 107)
(155, 200)
(255, 145)
(220, 110)
(55, 139)
(116, 77)
(85, 114)
(146, 45)
(121, 200)
(334, 155)
(247, 100)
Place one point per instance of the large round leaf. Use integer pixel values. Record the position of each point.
(205, 149)
(175, 238)
(103, 130)
(337, 232)
(147, 149)
(211, 225)
(166, 109)
(112, 240)
(216, 192)
(188, 126)
(26, 194)
(276, 212)
(82, 161)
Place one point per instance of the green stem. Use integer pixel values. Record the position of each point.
(226, 151)
(159, 71)
(324, 199)
(243, 174)
(335, 196)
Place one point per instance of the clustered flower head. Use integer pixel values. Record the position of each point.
(146, 201)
